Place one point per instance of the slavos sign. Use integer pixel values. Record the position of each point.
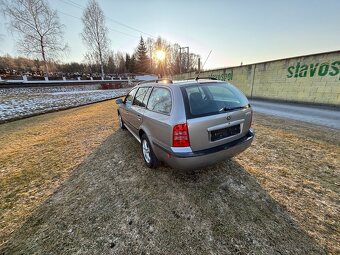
(312, 70)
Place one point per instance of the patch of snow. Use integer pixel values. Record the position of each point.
(21, 102)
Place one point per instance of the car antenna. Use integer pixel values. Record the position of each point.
(199, 71)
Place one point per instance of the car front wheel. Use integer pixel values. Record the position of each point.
(149, 157)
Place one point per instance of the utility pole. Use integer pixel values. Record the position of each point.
(198, 65)
(180, 60)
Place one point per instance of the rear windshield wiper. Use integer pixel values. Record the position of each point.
(227, 109)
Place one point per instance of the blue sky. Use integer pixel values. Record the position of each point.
(245, 31)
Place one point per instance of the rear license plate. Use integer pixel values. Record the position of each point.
(225, 132)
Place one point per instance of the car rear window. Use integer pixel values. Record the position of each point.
(212, 98)
(160, 101)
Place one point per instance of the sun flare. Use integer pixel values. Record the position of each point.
(160, 55)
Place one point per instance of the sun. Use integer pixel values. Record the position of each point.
(160, 55)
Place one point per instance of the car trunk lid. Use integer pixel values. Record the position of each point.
(210, 131)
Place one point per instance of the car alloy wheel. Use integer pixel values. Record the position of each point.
(148, 155)
(146, 151)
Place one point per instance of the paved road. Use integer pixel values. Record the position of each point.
(329, 117)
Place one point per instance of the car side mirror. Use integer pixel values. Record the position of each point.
(119, 101)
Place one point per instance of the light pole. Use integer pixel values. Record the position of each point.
(180, 57)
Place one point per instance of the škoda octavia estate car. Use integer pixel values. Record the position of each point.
(187, 124)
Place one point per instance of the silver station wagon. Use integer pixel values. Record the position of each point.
(187, 124)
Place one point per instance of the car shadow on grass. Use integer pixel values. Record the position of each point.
(113, 204)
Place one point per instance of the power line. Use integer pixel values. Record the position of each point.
(75, 4)
(68, 15)
(114, 30)
(135, 29)
(70, 2)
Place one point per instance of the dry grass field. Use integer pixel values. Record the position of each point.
(298, 164)
(281, 196)
(38, 153)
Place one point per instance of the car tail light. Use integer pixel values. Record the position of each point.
(180, 136)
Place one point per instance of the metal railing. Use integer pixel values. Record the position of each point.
(25, 82)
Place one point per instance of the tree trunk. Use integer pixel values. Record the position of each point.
(46, 68)
(101, 63)
(44, 56)
(102, 69)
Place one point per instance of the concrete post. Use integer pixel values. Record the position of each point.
(252, 77)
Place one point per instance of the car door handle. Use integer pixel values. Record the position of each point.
(139, 117)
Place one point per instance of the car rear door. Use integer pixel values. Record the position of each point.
(157, 115)
(138, 107)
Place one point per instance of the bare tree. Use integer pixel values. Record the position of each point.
(95, 32)
(92, 63)
(120, 62)
(38, 26)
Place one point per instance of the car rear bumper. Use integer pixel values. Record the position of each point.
(199, 159)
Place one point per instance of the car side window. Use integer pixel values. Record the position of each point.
(160, 101)
(139, 98)
(129, 97)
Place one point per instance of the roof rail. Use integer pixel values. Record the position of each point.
(142, 82)
(205, 78)
(163, 80)
(202, 78)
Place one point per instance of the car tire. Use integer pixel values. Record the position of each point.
(149, 157)
(121, 122)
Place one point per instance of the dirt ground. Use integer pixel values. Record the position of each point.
(278, 197)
